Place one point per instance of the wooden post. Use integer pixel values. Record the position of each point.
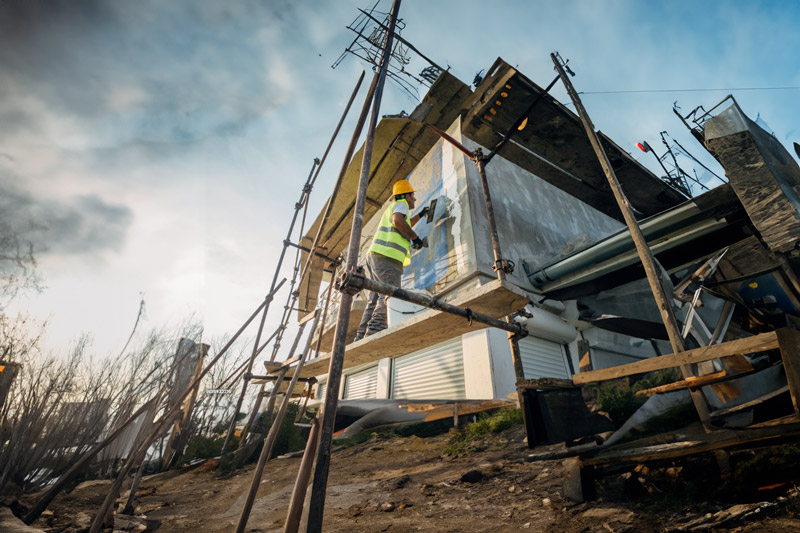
(789, 343)
(76, 468)
(158, 427)
(128, 509)
(312, 177)
(271, 402)
(301, 483)
(8, 371)
(584, 356)
(645, 255)
(180, 435)
(317, 504)
(269, 442)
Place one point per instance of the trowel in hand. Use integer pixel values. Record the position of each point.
(431, 211)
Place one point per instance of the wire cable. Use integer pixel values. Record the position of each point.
(791, 87)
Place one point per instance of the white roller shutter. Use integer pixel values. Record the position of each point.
(433, 373)
(360, 385)
(542, 358)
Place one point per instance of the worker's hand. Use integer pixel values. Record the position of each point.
(417, 244)
(424, 211)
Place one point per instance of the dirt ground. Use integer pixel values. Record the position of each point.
(407, 484)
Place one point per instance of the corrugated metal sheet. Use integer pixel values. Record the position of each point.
(361, 385)
(433, 373)
(542, 358)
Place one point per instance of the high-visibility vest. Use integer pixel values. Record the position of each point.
(388, 241)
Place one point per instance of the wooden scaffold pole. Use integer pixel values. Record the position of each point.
(651, 269)
(269, 441)
(115, 488)
(302, 203)
(317, 503)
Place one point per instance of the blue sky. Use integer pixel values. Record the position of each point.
(158, 148)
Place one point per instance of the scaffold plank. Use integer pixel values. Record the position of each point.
(495, 298)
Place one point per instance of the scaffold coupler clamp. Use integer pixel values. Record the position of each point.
(346, 283)
(521, 332)
(469, 315)
(506, 265)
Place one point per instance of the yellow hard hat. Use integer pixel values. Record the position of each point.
(402, 187)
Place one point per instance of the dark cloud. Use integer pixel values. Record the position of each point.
(181, 69)
(76, 225)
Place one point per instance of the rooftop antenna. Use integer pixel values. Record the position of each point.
(677, 176)
(478, 78)
(370, 28)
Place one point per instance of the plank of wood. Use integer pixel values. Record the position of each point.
(467, 407)
(777, 421)
(789, 340)
(752, 403)
(545, 383)
(584, 356)
(496, 298)
(757, 343)
(714, 441)
(272, 366)
(690, 382)
(414, 407)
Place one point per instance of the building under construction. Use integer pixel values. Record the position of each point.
(553, 260)
(577, 286)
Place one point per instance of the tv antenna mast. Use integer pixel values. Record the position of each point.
(370, 28)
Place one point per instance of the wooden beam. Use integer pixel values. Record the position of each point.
(584, 356)
(789, 340)
(545, 384)
(688, 383)
(758, 343)
(716, 441)
(466, 407)
(495, 298)
(651, 268)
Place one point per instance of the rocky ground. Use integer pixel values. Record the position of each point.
(404, 484)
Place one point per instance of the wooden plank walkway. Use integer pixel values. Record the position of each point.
(495, 298)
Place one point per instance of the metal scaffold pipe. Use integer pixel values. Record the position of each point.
(356, 282)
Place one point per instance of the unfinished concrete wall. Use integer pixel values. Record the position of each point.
(450, 256)
(536, 221)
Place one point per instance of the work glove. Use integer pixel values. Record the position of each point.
(417, 244)
(424, 211)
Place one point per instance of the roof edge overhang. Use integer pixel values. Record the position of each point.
(554, 146)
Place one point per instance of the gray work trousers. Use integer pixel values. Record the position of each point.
(388, 271)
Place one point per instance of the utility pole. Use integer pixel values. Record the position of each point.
(645, 254)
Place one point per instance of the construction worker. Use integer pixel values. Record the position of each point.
(389, 252)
